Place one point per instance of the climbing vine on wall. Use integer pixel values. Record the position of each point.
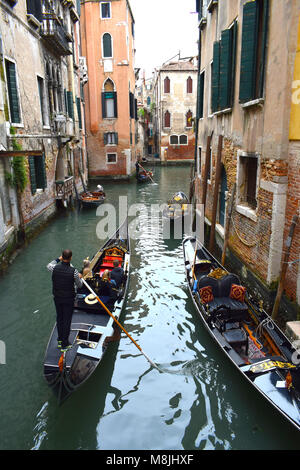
(18, 177)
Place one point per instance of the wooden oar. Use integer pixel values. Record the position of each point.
(118, 323)
(147, 172)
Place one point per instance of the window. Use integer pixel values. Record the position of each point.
(111, 158)
(183, 140)
(69, 105)
(109, 101)
(148, 101)
(13, 94)
(174, 139)
(223, 70)
(107, 46)
(167, 119)
(43, 101)
(189, 117)
(34, 8)
(131, 105)
(167, 85)
(37, 170)
(178, 140)
(78, 105)
(247, 180)
(199, 163)
(105, 10)
(110, 138)
(189, 85)
(201, 95)
(253, 52)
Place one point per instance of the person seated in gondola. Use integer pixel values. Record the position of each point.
(107, 289)
(117, 273)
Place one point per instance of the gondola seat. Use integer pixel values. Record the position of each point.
(233, 310)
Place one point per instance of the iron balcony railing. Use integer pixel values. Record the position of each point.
(56, 35)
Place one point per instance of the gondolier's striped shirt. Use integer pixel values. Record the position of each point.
(78, 282)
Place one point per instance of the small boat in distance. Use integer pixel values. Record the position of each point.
(177, 208)
(92, 198)
(92, 327)
(243, 330)
(142, 175)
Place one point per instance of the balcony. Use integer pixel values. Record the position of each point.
(64, 188)
(56, 35)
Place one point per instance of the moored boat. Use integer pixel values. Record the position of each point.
(244, 331)
(92, 327)
(92, 198)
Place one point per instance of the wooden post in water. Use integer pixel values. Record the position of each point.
(216, 195)
(288, 245)
(227, 226)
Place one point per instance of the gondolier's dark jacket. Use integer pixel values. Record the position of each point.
(64, 279)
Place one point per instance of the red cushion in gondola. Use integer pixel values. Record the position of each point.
(206, 294)
(237, 293)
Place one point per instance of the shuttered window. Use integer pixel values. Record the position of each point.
(13, 96)
(4, 195)
(253, 52)
(109, 105)
(215, 80)
(167, 85)
(107, 45)
(69, 104)
(34, 7)
(189, 85)
(37, 170)
(110, 138)
(78, 104)
(201, 95)
(131, 105)
(223, 70)
(167, 119)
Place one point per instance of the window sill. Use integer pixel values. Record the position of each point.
(33, 20)
(223, 111)
(220, 230)
(247, 212)
(249, 104)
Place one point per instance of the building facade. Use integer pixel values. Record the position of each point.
(42, 142)
(145, 141)
(248, 138)
(107, 30)
(175, 96)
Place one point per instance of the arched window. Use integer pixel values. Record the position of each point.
(107, 45)
(167, 85)
(189, 85)
(167, 119)
(174, 139)
(189, 116)
(183, 140)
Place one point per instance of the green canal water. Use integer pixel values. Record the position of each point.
(199, 402)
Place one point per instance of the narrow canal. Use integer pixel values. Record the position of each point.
(201, 402)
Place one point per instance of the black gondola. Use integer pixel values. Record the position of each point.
(92, 327)
(144, 176)
(92, 199)
(177, 207)
(243, 330)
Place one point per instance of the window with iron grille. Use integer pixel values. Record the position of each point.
(111, 158)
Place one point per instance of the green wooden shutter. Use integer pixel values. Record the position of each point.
(103, 105)
(13, 92)
(215, 78)
(70, 104)
(105, 138)
(115, 104)
(32, 174)
(66, 100)
(78, 103)
(249, 51)
(225, 68)
(262, 65)
(107, 45)
(233, 62)
(201, 95)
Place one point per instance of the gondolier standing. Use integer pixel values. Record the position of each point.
(64, 279)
